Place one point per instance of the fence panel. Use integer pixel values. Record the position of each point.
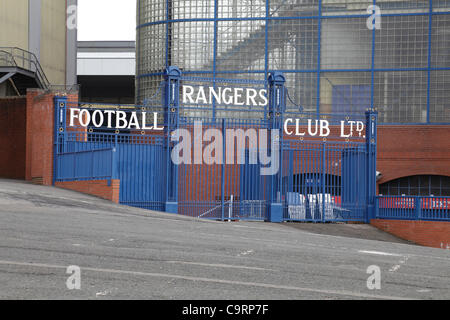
(222, 189)
(413, 208)
(326, 177)
(324, 181)
(86, 165)
(137, 158)
(141, 171)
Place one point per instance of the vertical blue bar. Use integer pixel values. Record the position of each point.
(266, 50)
(216, 33)
(92, 164)
(114, 174)
(223, 171)
(323, 179)
(377, 207)
(138, 46)
(290, 173)
(266, 41)
(319, 54)
(430, 22)
(167, 32)
(419, 208)
(373, 66)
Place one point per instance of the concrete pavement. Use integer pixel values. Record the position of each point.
(128, 253)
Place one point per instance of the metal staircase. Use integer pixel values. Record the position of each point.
(252, 48)
(22, 69)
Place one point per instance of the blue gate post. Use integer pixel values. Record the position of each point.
(60, 106)
(171, 123)
(371, 149)
(277, 105)
(222, 175)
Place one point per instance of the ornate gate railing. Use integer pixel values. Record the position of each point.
(225, 149)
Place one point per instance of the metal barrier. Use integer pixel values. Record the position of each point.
(86, 165)
(413, 208)
(325, 181)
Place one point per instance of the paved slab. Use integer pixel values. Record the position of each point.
(127, 253)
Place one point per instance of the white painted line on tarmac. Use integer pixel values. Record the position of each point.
(380, 253)
(423, 290)
(216, 265)
(214, 280)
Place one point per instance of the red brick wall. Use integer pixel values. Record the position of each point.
(97, 188)
(12, 137)
(413, 150)
(40, 135)
(426, 233)
(39, 148)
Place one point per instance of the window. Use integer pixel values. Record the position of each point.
(423, 185)
(350, 98)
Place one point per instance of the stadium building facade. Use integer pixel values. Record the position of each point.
(37, 45)
(338, 56)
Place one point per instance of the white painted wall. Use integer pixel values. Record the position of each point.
(106, 64)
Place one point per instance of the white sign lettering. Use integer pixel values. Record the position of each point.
(321, 128)
(122, 119)
(225, 96)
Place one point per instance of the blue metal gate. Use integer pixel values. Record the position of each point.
(318, 177)
(89, 153)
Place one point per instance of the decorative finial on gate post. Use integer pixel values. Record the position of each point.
(277, 78)
(173, 72)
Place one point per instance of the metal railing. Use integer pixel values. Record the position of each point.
(413, 208)
(19, 58)
(97, 164)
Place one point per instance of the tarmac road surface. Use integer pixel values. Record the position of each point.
(128, 253)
